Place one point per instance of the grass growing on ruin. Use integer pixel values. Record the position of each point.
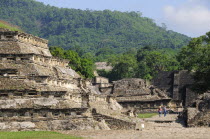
(4, 24)
(35, 135)
(146, 115)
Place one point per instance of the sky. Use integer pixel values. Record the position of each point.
(189, 17)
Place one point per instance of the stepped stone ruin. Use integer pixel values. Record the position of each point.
(103, 66)
(41, 92)
(136, 93)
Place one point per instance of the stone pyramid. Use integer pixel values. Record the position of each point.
(40, 92)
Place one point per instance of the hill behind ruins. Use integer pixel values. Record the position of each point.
(92, 31)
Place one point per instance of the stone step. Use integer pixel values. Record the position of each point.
(114, 123)
(160, 120)
(169, 118)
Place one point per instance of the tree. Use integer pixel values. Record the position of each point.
(124, 68)
(74, 60)
(151, 61)
(57, 51)
(87, 68)
(195, 57)
(83, 66)
(190, 56)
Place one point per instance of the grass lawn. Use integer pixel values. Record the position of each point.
(146, 115)
(35, 135)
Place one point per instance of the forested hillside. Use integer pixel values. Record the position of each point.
(101, 33)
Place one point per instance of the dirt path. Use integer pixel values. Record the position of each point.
(152, 130)
(155, 133)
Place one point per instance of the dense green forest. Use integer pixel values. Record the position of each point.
(96, 34)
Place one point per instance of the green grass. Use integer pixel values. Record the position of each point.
(35, 135)
(146, 115)
(6, 25)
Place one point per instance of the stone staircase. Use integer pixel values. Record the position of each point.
(114, 123)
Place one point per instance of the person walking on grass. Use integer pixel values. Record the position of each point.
(164, 111)
(160, 111)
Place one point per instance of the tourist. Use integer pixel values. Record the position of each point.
(164, 111)
(160, 111)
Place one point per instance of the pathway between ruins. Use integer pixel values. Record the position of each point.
(155, 128)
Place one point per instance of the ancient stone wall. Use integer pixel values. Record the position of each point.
(103, 84)
(164, 80)
(32, 58)
(105, 104)
(23, 37)
(101, 80)
(177, 84)
(76, 123)
(114, 123)
(145, 106)
(103, 66)
(190, 96)
(135, 94)
(198, 114)
(132, 86)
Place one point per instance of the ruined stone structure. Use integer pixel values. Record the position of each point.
(198, 114)
(177, 84)
(103, 66)
(38, 91)
(135, 94)
(103, 84)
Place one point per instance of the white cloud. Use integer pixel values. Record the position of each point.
(191, 18)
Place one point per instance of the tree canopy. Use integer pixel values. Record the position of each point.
(145, 64)
(83, 66)
(195, 57)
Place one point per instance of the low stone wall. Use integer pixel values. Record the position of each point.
(199, 120)
(35, 58)
(73, 124)
(199, 113)
(114, 123)
(103, 66)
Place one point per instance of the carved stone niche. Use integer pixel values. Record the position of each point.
(51, 96)
(35, 117)
(49, 115)
(17, 58)
(10, 95)
(27, 114)
(7, 37)
(63, 116)
(73, 114)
